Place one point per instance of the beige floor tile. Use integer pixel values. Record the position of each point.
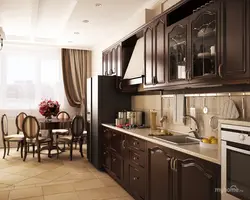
(64, 196)
(88, 184)
(55, 189)
(94, 194)
(77, 176)
(51, 174)
(12, 179)
(34, 171)
(117, 191)
(4, 195)
(31, 181)
(33, 198)
(26, 193)
(108, 182)
(100, 174)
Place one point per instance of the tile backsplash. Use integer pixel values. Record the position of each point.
(214, 104)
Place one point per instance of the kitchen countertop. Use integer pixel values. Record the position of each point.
(238, 122)
(211, 155)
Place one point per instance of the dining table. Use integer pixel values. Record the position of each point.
(52, 124)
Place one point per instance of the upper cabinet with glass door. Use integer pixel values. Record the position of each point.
(177, 51)
(204, 42)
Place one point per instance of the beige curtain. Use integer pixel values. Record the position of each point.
(75, 64)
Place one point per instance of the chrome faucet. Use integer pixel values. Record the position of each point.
(197, 130)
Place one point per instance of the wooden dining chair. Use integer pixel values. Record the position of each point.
(77, 135)
(63, 115)
(31, 129)
(19, 122)
(9, 138)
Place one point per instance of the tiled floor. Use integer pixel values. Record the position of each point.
(55, 179)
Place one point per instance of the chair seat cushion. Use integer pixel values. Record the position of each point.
(60, 131)
(40, 139)
(17, 136)
(66, 137)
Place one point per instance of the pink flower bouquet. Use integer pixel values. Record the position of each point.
(49, 107)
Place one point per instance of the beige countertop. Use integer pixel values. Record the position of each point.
(238, 122)
(211, 155)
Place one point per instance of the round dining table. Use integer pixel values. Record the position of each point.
(52, 124)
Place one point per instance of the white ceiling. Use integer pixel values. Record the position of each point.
(55, 21)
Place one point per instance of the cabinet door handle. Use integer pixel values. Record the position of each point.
(220, 70)
(114, 135)
(104, 153)
(114, 159)
(135, 178)
(120, 85)
(123, 144)
(158, 151)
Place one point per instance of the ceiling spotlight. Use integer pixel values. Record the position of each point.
(76, 33)
(98, 4)
(85, 21)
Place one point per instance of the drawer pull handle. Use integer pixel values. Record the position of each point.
(135, 158)
(135, 143)
(136, 178)
(114, 135)
(114, 159)
(104, 153)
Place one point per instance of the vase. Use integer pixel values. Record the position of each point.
(48, 118)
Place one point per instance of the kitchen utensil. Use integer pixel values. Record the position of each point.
(229, 110)
(119, 121)
(204, 55)
(205, 108)
(153, 115)
(243, 108)
(123, 115)
(214, 122)
(212, 50)
(131, 117)
(139, 118)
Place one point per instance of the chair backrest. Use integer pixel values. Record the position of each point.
(4, 125)
(77, 126)
(31, 127)
(19, 121)
(63, 115)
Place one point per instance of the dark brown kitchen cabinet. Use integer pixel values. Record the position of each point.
(154, 54)
(115, 141)
(235, 65)
(159, 173)
(112, 61)
(176, 55)
(194, 179)
(137, 182)
(206, 40)
(116, 165)
(148, 56)
(149, 171)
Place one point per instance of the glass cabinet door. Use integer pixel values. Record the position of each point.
(177, 48)
(204, 44)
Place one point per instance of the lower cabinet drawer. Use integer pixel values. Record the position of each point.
(137, 144)
(137, 158)
(137, 182)
(116, 166)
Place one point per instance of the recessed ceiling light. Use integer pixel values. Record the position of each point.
(76, 33)
(98, 4)
(70, 41)
(85, 21)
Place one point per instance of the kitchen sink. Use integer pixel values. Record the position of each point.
(178, 139)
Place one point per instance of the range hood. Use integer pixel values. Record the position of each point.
(135, 67)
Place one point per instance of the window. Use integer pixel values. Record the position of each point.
(29, 74)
